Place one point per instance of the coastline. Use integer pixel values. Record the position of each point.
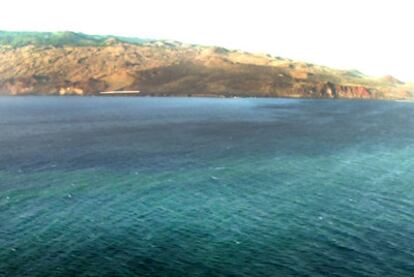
(205, 96)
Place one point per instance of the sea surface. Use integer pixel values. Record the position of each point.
(119, 186)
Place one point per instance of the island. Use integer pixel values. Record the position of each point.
(69, 63)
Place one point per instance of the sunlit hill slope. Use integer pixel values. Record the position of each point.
(67, 63)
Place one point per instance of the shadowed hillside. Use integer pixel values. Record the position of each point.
(66, 63)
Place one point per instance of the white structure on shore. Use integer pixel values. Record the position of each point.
(120, 92)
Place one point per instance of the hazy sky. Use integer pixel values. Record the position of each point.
(376, 37)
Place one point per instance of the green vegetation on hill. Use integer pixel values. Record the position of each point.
(60, 63)
(20, 39)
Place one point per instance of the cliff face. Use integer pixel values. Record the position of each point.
(172, 68)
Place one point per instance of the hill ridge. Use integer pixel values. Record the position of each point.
(75, 63)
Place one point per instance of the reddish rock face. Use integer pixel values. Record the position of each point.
(176, 69)
(331, 90)
(353, 92)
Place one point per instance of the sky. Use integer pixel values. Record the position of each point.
(373, 36)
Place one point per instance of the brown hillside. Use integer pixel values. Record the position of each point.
(172, 68)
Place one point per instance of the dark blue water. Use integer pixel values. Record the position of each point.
(206, 187)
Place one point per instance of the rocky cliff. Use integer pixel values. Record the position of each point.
(77, 64)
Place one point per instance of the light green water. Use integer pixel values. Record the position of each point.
(173, 187)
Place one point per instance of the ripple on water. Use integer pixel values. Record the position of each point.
(206, 187)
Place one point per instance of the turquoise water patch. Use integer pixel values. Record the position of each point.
(242, 187)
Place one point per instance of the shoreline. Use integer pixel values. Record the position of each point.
(136, 95)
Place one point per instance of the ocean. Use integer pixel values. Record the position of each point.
(120, 186)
